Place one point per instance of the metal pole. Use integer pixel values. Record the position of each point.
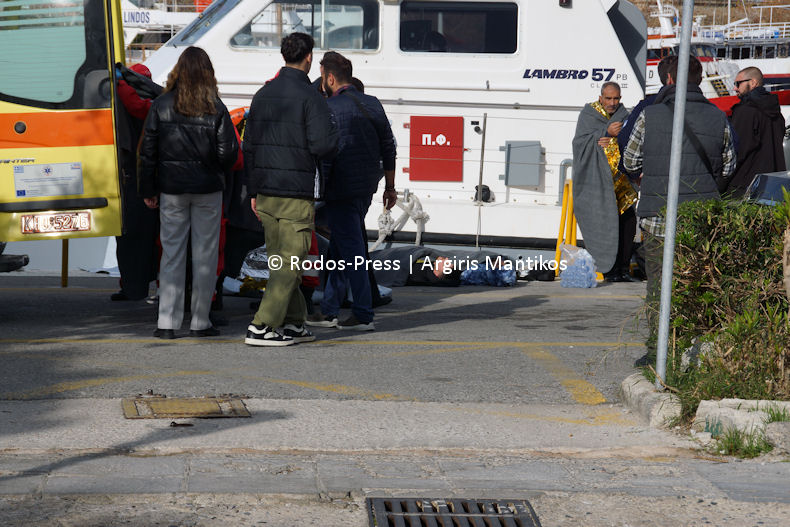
(479, 192)
(672, 192)
(64, 263)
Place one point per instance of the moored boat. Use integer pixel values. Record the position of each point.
(479, 93)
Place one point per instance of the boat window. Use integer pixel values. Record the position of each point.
(48, 49)
(204, 21)
(458, 27)
(770, 52)
(782, 50)
(703, 51)
(334, 24)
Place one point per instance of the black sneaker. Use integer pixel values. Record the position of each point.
(297, 333)
(208, 332)
(320, 320)
(266, 336)
(352, 323)
(165, 333)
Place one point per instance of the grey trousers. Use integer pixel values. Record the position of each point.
(180, 215)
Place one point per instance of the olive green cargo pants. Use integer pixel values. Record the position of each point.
(287, 225)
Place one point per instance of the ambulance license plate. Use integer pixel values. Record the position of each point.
(56, 222)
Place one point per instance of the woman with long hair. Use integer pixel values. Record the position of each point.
(188, 146)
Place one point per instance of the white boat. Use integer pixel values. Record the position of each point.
(484, 91)
(718, 72)
(735, 45)
(147, 24)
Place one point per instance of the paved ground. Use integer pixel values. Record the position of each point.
(474, 392)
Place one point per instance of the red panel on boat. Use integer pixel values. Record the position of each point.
(437, 148)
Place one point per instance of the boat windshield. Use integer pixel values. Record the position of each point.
(660, 53)
(334, 24)
(208, 18)
(699, 50)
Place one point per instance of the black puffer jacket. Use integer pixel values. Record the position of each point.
(288, 129)
(185, 155)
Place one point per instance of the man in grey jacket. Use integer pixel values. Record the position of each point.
(289, 128)
(707, 163)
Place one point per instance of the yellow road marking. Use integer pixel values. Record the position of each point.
(342, 390)
(596, 297)
(582, 391)
(595, 418)
(505, 344)
(124, 340)
(88, 383)
(115, 341)
(472, 347)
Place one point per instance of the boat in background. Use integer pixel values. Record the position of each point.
(718, 73)
(732, 46)
(148, 24)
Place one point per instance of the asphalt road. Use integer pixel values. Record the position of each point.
(534, 343)
(472, 391)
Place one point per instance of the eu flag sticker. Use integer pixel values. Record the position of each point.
(20, 193)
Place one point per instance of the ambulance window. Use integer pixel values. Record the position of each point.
(349, 24)
(48, 50)
(458, 27)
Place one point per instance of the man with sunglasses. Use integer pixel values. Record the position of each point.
(759, 127)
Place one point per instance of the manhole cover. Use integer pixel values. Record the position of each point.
(160, 407)
(426, 512)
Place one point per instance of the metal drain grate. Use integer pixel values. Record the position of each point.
(426, 512)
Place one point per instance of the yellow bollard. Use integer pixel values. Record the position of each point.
(567, 233)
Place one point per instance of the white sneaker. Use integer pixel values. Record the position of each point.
(266, 336)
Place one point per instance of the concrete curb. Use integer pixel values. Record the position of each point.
(748, 416)
(659, 409)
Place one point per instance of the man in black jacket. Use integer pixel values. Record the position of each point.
(366, 153)
(760, 129)
(289, 128)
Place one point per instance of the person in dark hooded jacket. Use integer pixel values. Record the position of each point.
(136, 249)
(759, 127)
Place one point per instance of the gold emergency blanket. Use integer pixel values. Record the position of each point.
(623, 190)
